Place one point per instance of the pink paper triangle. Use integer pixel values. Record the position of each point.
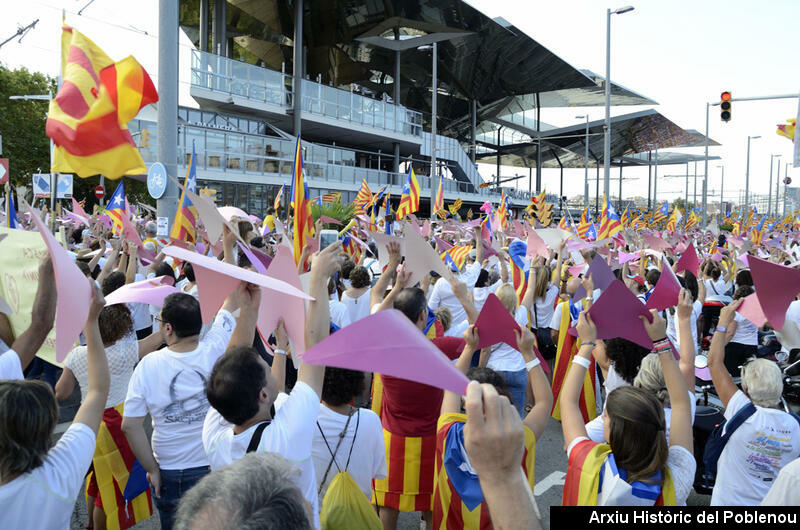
(654, 242)
(776, 287)
(152, 291)
(74, 291)
(292, 309)
(602, 276)
(495, 324)
(688, 261)
(402, 351)
(624, 257)
(616, 314)
(536, 246)
(442, 245)
(667, 289)
(751, 310)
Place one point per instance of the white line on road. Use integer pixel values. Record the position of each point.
(556, 478)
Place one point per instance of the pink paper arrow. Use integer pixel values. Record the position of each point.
(655, 243)
(152, 291)
(776, 287)
(616, 314)
(330, 220)
(688, 261)
(74, 290)
(403, 352)
(752, 311)
(624, 257)
(292, 309)
(217, 279)
(536, 246)
(495, 324)
(667, 289)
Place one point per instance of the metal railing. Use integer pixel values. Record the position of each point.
(236, 78)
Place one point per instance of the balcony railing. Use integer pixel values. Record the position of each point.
(236, 78)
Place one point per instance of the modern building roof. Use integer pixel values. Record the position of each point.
(632, 133)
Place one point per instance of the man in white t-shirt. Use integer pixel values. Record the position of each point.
(767, 441)
(24, 347)
(242, 389)
(169, 384)
(442, 292)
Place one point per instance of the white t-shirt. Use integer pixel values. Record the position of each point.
(673, 326)
(555, 321)
(45, 497)
(122, 358)
(504, 356)
(681, 465)
(543, 308)
(786, 490)
(746, 331)
(442, 292)
(480, 294)
(170, 386)
(754, 454)
(339, 313)
(368, 459)
(373, 268)
(140, 314)
(357, 308)
(10, 365)
(289, 435)
(715, 289)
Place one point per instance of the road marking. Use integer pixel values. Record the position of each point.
(556, 478)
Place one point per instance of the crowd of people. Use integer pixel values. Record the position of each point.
(210, 420)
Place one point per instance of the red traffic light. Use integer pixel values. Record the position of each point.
(725, 96)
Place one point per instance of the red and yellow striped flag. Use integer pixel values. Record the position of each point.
(409, 199)
(87, 120)
(518, 279)
(363, 199)
(567, 348)
(303, 224)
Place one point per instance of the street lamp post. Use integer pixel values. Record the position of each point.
(769, 188)
(721, 188)
(607, 132)
(586, 162)
(777, 184)
(747, 176)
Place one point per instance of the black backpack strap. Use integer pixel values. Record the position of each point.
(256, 439)
(737, 420)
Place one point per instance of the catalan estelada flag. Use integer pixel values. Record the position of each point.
(585, 223)
(610, 222)
(87, 120)
(583, 480)
(438, 203)
(661, 213)
(674, 219)
(11, 212)
(116, 207)
(303, 223)
(787, 129)
(276, 204)
(457, 254)
(363, 199)
(409, 199)
(626, 216)
(116, 477)
(458, 501)
(186, 218)
(518, 280)
(567, 348)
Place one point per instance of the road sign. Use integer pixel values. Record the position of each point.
(3, 170)
(157, 180)
(41, 185)
(99, 192)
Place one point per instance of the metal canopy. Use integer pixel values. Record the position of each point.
(636, 132)
(493, 62)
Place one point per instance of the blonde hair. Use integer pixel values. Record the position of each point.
(444, 315)
(651, 378)
(508, 296)
(543, 274)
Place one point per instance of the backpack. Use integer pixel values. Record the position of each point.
(722, 433)
(345, 506)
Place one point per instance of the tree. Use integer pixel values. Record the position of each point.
(22, 123)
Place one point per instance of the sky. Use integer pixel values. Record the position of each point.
(679, 53)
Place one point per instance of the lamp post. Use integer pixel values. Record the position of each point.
(433, 48)
(607, 137)
(747, 176)
(586, 162)
(769, 189)
(721, 188)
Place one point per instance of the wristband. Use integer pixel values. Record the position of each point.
(278, 351)
(587, 343)
(530, 365)
(723, 329)
(581, 361)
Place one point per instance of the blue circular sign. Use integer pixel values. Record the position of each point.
(157, 180)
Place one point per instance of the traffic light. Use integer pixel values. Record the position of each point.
(146, 136)
(725, 106)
